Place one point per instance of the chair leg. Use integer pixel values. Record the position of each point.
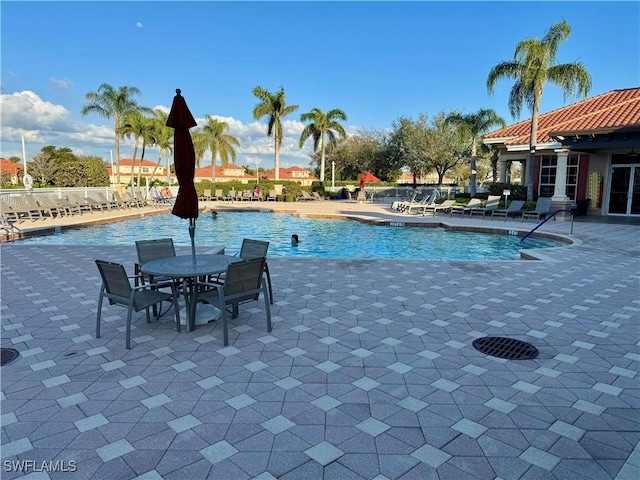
(223, 310)
(267, 308)
(99, 313)
(130, 311)
(176, 308)
(266, 270)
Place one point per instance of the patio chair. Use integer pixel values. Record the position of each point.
(124, 200)
(218, 195)
(116, 287)
(437, 207)
(102, 198)
(543, 208)
(255, 249)
(514, 209)
(399, 205)
(428, 200)
(206, 195)
(13, 214)
(243, 282)
(462, 209)
(86, 204)
(26, 203)
(149, 250)
(317, 196)
(272, 196)
(230, 197)
(493, 202)
(63, 205)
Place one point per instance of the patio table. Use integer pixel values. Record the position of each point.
(182, 267)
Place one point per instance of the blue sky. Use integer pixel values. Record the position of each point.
(377, 61)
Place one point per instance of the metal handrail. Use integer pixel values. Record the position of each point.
(552, 215)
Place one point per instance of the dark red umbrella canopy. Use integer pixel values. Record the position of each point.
(184, 157)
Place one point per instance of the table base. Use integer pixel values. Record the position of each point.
(204, 314)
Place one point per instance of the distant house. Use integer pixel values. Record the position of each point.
(406, 178)
(296, 174)
(226, 174)
(147, 170)
(587, 154)
(11, 172)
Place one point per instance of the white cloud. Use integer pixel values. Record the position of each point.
(44, 123)
(64, 84)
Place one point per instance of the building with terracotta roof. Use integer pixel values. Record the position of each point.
(226, 174)
(11, 172)
(147, 169)
(295, 174)
(587, 153)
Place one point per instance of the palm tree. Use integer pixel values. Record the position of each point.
(473, 125)
(274, 106)
(137, 125)
(220, 143)
(162, 138)
(110, 103)
(534, 64)
(322, 129)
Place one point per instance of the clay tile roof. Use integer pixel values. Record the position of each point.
(603, 113)
(145, 162)
(10, 168)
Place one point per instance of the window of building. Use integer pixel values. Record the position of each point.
(548, 170)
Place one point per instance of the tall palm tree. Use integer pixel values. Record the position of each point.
(114, 104)
(162, 139)
(273, 105)
(534, 64)
(473, 125)
(322, 129)
(137, 125)
(220, 143)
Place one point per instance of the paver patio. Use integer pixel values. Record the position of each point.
(369, 372)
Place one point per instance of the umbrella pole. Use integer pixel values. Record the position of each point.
(192, 232)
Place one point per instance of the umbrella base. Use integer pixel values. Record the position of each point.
(204, 314)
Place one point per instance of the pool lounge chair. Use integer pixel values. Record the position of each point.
(206, 195)
(429, 200)
(400, 205)
(543, 208)
(272, 196)
(437, 207)
(14, 213)
(493, 202)
(462, 209)
(514, 210)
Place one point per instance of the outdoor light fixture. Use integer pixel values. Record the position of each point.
(632, 153)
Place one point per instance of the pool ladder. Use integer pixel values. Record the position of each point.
(572, 212)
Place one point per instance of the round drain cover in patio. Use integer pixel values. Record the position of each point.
(508, 348)
(8, 355)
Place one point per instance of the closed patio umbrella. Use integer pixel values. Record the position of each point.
(184, 158)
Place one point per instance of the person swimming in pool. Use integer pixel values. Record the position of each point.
(214, 213)
(295, 240)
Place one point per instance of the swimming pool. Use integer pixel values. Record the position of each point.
(319, 238)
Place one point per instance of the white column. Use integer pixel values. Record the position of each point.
(502, 170)
(560, 190)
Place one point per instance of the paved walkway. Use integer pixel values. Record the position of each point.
(369, 372)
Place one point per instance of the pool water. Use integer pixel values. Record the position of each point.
(319, 238)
